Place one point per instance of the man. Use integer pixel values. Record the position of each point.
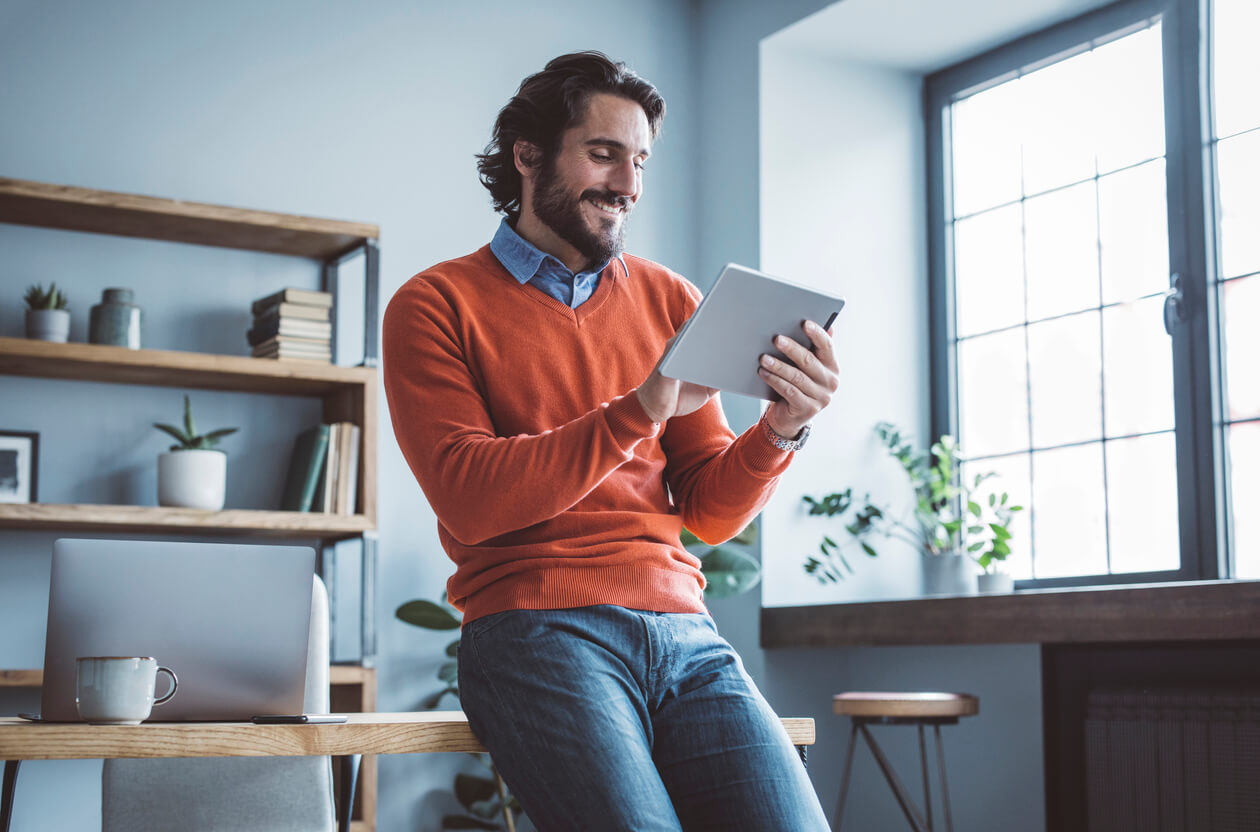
(562, 467)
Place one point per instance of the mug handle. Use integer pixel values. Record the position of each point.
(174, 686)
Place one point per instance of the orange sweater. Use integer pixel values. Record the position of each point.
(552, 487)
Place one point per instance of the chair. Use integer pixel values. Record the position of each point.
(238, 793)
(918, 709)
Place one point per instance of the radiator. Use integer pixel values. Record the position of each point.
(1173, 761)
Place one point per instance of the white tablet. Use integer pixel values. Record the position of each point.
(722, 343)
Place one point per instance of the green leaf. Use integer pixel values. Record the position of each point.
(189, 427)
(974, 507)
(992, 500)
(470, 789)
(975, 547)
(173, 431)
(975, 529)
(729, 572)
(426, 614)
(829, 541)
(452, 649)
(449, 672)
(220, 433)
(465, 822)
(487, 809)
(870, 550)
(984, 561)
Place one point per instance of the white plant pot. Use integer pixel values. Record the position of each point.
(48, 325)
(948, 574)
(192, 479)
(996, 582)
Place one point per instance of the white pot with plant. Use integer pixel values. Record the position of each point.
(950, 528)
(193, 473)
(47, 318)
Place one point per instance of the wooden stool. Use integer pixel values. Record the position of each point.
(935, 709)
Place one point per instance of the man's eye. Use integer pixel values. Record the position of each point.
(638, 165)
(603, 157)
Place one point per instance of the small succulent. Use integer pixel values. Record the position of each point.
(189, 439)
(54, 298)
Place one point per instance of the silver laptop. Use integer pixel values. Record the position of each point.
(232, 621)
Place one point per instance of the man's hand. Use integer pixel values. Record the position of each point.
(664, 398)
(806, 385)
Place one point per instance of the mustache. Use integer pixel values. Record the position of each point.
(606, 196)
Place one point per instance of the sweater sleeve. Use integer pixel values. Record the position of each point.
(719, 481)
(447, 436)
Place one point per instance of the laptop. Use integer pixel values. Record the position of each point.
(231, 620)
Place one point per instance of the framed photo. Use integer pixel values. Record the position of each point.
(19, 466)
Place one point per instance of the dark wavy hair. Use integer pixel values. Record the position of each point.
(548, 103)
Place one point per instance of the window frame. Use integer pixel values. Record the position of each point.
(1197, 386)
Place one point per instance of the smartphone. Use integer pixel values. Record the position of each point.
(298, 719)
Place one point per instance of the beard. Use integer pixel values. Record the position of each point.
(562, 213)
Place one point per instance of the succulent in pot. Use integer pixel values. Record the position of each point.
(47, 318)
(193, 473)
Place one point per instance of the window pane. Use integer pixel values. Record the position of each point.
(1238, 165)
(1244, 475)
(1013, 479)
(1133, 231)
(1069, 536)
(1237, 65)
(1130, 83)
(1242, 346)
(989, 270)
(1062, 238)
(1065, 371)
(1137, 368)
(985, 130)
(1142, 504)
(992, 394)
(1059, 104)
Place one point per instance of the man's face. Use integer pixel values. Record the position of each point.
(584, 193)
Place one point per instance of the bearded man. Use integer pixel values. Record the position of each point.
(562, 468)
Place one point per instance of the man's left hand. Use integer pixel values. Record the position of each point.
(806, 385)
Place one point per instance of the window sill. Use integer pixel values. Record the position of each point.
(1183, 611)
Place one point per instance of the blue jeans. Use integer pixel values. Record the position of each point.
(604, 718)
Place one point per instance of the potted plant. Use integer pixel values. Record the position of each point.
(949, 526)
(193, 473)
(47, 318)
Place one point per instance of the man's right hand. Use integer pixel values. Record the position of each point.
(663, 398)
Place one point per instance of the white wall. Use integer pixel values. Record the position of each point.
(366, 112)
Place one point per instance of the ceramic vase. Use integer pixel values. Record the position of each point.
(48, 325)
(948, 574)
(192, 479)
(995, 582)
(115, 320)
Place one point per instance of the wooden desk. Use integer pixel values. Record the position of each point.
(400, 733)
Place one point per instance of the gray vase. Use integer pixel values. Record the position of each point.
(115, 320)
(948, 574)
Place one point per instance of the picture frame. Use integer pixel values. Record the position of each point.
(19, 466)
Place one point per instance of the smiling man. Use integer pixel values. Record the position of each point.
(562, 467)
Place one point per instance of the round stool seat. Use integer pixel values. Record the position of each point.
(906, 705)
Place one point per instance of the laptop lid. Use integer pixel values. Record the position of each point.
(232, 620)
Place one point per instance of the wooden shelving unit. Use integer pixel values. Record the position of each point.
(348, 394)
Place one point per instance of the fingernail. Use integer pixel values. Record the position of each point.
(766, 360)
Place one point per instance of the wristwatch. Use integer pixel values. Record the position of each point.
(782, 444)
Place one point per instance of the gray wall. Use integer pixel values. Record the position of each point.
(373, 114)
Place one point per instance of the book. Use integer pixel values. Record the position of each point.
(291, 310)
(352, 498)
(310, 450)
(310, 344)
(292, 351)
(289, 328)
(304, 297)
(326, 491)
(347, 465)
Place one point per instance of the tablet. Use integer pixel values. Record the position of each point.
(722, 343)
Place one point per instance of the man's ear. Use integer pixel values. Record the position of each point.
(527, 156)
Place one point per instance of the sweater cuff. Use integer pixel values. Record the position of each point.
(629, 422)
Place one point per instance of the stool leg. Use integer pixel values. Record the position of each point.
(7, 792)
(940, 760)
(844, 778)
(899, 789)
(927, 785)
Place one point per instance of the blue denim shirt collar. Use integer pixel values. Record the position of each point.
(523, 259)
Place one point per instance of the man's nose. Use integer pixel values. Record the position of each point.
(625, 179)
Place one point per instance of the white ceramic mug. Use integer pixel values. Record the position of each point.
(118, 690)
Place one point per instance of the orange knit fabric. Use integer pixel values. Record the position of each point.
(552, 487)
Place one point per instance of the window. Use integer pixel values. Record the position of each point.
(1083, 348)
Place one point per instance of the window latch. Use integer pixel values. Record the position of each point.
(1174, 305)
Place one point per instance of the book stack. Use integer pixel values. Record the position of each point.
(324, 470)
(293, 323)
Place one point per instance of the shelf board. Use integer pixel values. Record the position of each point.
(21, 678)
(350, 674)
(166, 368)
(154, 218)
(156, 520)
